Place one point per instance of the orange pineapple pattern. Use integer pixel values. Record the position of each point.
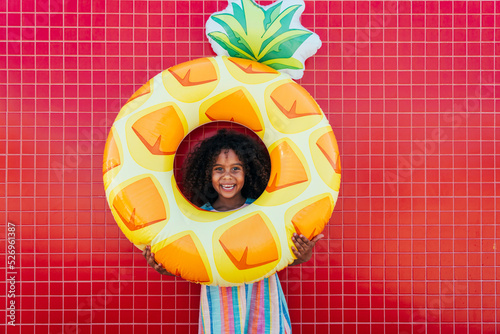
(221, 248)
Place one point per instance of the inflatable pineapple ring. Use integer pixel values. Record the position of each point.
(221, 248)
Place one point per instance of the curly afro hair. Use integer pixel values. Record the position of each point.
(197, 168)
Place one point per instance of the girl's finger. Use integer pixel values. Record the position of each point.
(301, 250)
(147, 252)
(298, 243)
(304, 239)
(317, 238)
(151, 260)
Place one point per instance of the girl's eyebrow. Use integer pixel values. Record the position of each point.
(238, 163)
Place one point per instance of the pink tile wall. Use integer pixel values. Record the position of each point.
(411, 90)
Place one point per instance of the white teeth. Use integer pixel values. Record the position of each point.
(228, 187)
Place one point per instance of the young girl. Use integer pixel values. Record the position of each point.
(227, 172)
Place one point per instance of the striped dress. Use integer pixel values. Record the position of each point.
(256, 308)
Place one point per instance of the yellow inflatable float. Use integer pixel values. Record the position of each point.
(243, 246)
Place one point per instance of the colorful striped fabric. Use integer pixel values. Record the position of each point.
(257, 308)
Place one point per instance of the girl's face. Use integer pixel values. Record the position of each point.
(228, 178)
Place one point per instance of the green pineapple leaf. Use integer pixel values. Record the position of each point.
(283, 63)
(233, 50)
(234, 36)
(271, 35)
(279, 25)
(271, 14)
(285, 45)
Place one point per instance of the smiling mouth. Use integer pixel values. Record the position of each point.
(228, 187)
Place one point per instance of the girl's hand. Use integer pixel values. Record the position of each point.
(150, 257)
(303, 247)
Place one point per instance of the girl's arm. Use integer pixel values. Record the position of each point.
(303, 247)
(150, 257)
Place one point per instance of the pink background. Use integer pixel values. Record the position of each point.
(411, 90)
